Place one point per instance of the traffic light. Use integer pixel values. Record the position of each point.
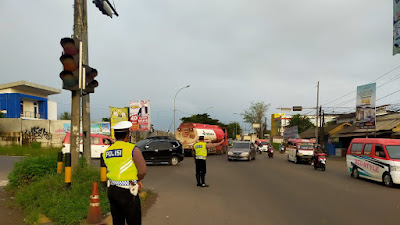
(70, 61)
(89, 84)
(104, 7)
(297, 108)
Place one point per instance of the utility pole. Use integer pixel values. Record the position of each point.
(81, 32)
(76, 94)
(316, 116)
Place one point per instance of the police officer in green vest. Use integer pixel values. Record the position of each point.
(126, 168)
(200, 155)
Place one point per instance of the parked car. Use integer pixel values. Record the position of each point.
(99, 143)
(242, 150)
(376, 159)
(161, 149)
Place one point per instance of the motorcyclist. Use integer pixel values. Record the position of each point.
(317, 150)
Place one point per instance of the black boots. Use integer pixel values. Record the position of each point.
(198, 180)
(203, 180)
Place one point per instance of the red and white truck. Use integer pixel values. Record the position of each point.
(215, 137)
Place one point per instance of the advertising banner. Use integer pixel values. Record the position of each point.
(139, 115)
(365, 106)
(117, 115)
(396, 26)
(95, 128)
(291, 133)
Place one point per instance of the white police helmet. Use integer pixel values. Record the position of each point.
(122, 125)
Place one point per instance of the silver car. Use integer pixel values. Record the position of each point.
(242, 150)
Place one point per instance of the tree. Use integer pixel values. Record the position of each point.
(106, 119)
(255, 114)
(304, 123)
(2, 115)
(202, 118)
(65, 116)
(233, 129)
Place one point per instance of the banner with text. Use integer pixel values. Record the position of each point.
(396, 26)
(365, 106)
(117, 115)
(139, 115)
(95, 128)
(291, 133)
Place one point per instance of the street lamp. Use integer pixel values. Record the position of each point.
(174, 104)
(236, 124)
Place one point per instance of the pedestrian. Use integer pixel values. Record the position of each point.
(200, 156)
(126, 168)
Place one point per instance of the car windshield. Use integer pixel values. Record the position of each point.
(393, 151)
(141, 144)
(306, 146)
(264, 143)
(241, 145)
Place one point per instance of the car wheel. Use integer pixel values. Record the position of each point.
(387, 180)
(174, 161)
(229, 159)
(354, 173)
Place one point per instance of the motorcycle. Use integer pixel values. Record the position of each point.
(320, 161)
(282, 150)
(270, 153)
(259, 150)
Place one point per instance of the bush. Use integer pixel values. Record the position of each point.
(36, 145)
(48, 196)
(27, 151)
(32, 168)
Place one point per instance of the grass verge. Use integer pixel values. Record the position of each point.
(39, 190)
(33, 150)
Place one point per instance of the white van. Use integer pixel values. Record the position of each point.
(300, 150)
(377, 159)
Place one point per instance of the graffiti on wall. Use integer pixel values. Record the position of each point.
(37, 133)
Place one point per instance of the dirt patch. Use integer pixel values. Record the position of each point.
(150, 200)
(9, 214)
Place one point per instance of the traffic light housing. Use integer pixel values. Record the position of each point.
(104, 7)
(297, 108)
(89, 84)
(70, 61)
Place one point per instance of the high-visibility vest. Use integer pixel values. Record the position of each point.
(201, 150)
(119, 162)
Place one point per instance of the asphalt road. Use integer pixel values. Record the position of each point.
(267, 191)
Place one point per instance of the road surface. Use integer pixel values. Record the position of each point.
(267, 191)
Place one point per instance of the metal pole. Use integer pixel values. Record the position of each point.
(76, 95)
(316, 116)
(174, 105)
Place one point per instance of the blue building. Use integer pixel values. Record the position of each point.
(27, 100)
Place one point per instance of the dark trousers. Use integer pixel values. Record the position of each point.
(124, 206)
(201, 167)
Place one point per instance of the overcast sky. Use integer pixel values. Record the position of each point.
(231, 52)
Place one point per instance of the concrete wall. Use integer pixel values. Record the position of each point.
(18, 131)
(51, 110)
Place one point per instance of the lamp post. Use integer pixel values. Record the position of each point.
(174, 104)
(236, 123)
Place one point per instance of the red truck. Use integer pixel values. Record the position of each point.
(215, 137)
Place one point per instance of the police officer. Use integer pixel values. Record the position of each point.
(126, 168)
(200, 155)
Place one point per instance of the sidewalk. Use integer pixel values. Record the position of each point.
(9, 215)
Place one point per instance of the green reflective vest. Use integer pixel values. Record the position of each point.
(201, 150)
(119, 162)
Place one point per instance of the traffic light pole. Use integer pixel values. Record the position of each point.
(86, 97)
(80, 31)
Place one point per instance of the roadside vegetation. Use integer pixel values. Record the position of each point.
(39, 190)
(34, 149)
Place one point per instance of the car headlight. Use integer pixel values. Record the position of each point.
(230, 153)
(300, 154)
(395, 168)
(245, 153)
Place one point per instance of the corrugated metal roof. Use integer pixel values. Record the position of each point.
(310, 133)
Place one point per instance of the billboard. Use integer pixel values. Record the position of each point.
(117, 115)
(139, 115)
(365, 106)
(291, 132)
(396, 26)
(95, 128)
